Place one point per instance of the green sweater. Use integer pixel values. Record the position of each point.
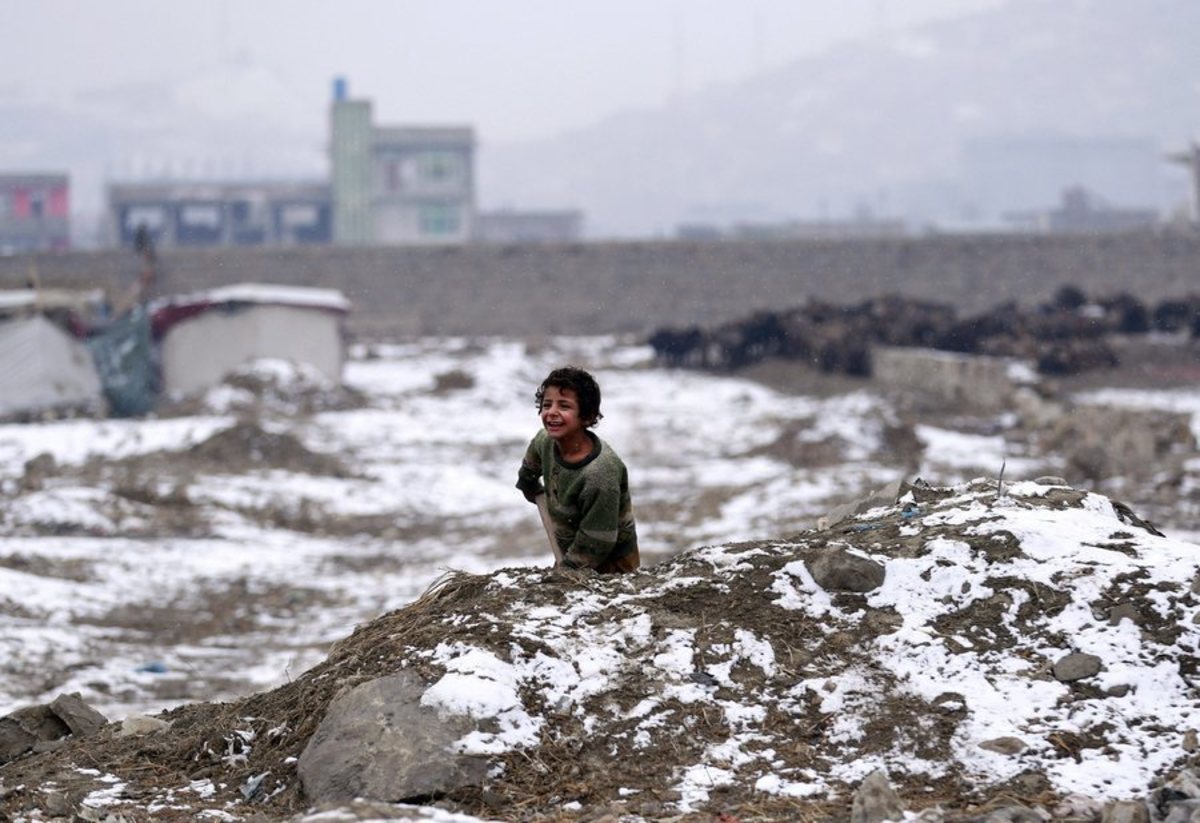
(588, 500)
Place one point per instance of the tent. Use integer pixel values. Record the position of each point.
(205, 336)
(42, 366)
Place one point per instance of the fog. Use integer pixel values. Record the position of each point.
(644, 116)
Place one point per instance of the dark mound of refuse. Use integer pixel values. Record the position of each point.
(1065, 336)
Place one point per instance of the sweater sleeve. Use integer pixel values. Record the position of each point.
(529, 476)
(599, 516)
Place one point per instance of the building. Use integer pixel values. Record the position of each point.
(1003, 175)
(1084, 212)
(34, 213)
(395, 185)
(512, 226)
(193, 213)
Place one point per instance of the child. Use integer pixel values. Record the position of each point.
(584, 481)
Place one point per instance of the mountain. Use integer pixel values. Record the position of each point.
(877, 124)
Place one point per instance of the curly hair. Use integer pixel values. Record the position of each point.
(587, 392)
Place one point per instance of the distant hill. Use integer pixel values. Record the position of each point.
(876, 124)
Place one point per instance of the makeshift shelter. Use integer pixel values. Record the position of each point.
(205, 336)
(43, 364)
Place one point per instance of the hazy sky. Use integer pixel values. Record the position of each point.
(516, 69)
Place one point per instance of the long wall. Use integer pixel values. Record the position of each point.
(639, 286)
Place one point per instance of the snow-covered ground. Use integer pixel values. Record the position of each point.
(95, 597)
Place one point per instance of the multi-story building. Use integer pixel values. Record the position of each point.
(190, 213)
(392, 185)
(395, 185)
(34, 213)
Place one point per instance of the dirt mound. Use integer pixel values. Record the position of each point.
(1026, 645)
(247, 446)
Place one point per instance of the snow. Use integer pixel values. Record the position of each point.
(439, 465)
(270, 293)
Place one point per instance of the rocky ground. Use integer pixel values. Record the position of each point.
(1031, 647)
(204, 560)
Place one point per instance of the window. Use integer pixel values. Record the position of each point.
(437, 167)
(440, 221)
(151, 217)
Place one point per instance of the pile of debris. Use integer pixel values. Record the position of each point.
(966, 652)
(1066, 336)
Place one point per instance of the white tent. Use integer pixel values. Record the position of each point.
(208, 335)
(44, 367)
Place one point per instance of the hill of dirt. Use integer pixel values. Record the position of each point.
(1031, 647)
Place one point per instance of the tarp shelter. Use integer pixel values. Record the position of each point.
(125, 358)
(208, 335)
(43, 365)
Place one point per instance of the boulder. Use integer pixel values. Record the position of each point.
(80, 718)
(1076, 666)
(837, 569)
(1125, 811)
(378, 742)
(25, 728)
(39, 728)
(875, 801)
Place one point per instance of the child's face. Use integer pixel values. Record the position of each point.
(560, 414)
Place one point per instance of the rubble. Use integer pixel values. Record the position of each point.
(1068, 335)
(981, 678)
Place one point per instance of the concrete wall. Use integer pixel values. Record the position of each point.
(959, 380)
(639, 286)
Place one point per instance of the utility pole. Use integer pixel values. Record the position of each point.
(1191, 158)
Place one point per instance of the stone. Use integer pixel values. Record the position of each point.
(24, 728)
(885, 496)
(1125, 811)
(136, 724)
(836, 569)
(1004, 745)
(1124, 611)
(1076, 666)
(1182, 811)
(36, 471)
(1079, 806)
(875, 801)
(378, 742)
(1051, 480)
(80, 718)
(1189, 741)
(1014, 814)
(1119, 690)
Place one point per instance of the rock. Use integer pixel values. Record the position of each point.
(1120, 690)
(1004, 745)
(1124, 611)
(1051, 480)
(80, 718)
(875, 801)
(1186, 783)
(24, 728)
(136, 724)
(836, 569)
(1076, 666)
(1125, 811)
(1013, 814)
(1189, 741)
(378, 742)
(885, 496)
(36, 471)
(1182, 811)
(1079, 806)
